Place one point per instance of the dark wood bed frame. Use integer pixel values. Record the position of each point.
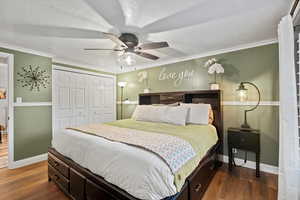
(81, 184)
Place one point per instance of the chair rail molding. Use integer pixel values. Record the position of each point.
(226, 103)
(29, 104)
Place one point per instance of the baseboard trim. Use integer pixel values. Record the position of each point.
(29, 161)
(252, 165)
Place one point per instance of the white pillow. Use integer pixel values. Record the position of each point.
(138, 109)
(198, 113)
(163, 114)
(176, 115)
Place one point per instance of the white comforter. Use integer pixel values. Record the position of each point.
(139, 172)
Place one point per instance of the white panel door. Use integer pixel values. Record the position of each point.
(62, 99)
(96, 99)
(108, 105)
(80, 99)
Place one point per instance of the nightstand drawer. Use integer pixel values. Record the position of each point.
(245, 141)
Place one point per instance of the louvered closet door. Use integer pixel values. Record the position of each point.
(82, 99)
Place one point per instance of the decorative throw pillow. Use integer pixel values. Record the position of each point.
(163, 114)
(149, 113)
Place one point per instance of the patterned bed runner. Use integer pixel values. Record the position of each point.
(173, 150)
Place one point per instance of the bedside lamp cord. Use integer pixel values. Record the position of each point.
(245, 160)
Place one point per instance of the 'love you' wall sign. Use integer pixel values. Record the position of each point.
(177, 77)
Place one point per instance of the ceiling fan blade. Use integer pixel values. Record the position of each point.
(146, 55)
(99, 49)
(57, 31)
(153, 45)
(110, 10)
(201, 14)
(116, 40)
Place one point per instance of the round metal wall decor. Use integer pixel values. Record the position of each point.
(33, 78)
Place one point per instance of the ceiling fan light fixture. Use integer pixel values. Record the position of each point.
(127, 59)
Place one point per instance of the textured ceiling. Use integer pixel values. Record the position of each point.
(63, 28)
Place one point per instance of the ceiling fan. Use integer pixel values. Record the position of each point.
(128, 43)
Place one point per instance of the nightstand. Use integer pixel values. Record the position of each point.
(244, 139)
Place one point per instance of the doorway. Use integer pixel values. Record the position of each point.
(6, 110)
(3, 113)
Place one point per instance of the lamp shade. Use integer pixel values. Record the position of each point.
(242, 93)
(122, 84)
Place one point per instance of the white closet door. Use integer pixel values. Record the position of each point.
(62, 99)
(80, 99)
(108, 100)
(96, 96)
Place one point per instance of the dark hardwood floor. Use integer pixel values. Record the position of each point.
(242, 184)
(31, 183)
(4, 151)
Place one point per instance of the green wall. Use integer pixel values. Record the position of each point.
(33, 131)
(258, 65)
(32, 125)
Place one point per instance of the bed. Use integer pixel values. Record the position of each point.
(76, 171)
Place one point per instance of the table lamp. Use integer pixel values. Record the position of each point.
(243, 96)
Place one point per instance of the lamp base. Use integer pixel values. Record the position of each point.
(245, 127)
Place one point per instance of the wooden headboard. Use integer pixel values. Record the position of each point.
(212, 97)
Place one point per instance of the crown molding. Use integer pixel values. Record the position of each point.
(25, 50)
(58, 61)
(82, 71)
(206, 54)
